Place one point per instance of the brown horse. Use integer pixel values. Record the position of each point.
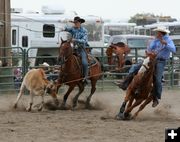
(121, 50)
(141, 83)
(71, 73)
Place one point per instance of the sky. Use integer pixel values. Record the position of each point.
(107, 9)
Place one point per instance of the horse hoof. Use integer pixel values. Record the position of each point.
(119, 116)
(28, 109)
(40, 109)
(88, 106)
(128, 116)
(62, 107)
(15, 106)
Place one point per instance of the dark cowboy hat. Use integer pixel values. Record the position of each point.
(78, 19)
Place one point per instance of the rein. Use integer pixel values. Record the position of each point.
(70, 57)
(67, 58)
(146, 67)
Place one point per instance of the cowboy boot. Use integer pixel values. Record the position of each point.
(123, 85)
(155, 101)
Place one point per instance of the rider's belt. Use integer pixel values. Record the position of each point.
(161, 59)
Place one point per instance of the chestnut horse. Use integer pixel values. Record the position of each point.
(121, 50)
(71, 73)
(141, 83)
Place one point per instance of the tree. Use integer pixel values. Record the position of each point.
(149, 18)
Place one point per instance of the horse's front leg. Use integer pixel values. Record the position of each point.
(120, 115)
(71, 87)
(75, 99)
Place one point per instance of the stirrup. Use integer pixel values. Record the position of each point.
(84, 81)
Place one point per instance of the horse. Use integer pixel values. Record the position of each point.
(139, 90)
(121, 50)
(71, 73)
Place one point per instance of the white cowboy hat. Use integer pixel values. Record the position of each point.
(45, 64)
(162, 29)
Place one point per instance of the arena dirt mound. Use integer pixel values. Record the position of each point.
(164, 110)
(95, 104)
(9, 105)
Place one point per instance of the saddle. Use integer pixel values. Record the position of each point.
(91, 61)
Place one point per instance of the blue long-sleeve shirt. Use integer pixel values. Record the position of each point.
(79, 34)
(162, 50)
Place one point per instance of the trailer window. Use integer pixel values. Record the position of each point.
(48, 30)
(24, 41)
(14, 37)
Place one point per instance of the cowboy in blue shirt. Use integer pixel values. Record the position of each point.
(162, 45)
(80, 39)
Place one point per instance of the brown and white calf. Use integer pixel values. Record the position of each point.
(36, 82)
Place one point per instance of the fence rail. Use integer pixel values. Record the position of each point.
(21, 60)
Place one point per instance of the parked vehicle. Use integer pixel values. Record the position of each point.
(106, 39)
(101, 51)
(118, 28)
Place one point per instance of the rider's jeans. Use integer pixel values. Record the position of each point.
(157, 91)
(134, 68)
(84, 62)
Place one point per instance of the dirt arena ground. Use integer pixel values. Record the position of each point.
(81, 125)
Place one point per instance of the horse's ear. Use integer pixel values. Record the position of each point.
(146, 53)
(62, 40)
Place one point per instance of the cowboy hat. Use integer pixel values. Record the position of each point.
(78, 19)
(162, 29)
(45, 64)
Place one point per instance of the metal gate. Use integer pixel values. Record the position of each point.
(11, 74)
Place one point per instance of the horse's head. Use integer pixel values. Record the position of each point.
(65, 51)
(148, 62)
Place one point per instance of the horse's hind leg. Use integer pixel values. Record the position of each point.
(147, 101)
(129, 109)
(81, 89)
(93, 89)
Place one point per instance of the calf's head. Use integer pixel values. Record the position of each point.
(51, 89)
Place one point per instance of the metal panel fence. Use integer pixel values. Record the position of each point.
(22, 60)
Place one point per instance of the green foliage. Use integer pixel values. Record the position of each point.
(149, 18)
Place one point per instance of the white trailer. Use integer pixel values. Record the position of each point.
(39, 33)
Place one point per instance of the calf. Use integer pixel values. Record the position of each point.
(35, 81)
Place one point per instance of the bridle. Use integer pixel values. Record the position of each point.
(65, 58)
(146, 67)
